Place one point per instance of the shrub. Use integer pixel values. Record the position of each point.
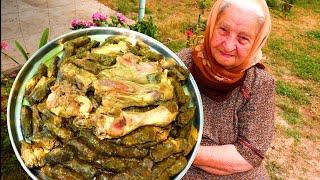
(272, 3)
(147, 27)
(203, 4)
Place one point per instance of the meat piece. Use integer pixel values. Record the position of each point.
(119, 94)
(32, 155)
(67, 101)
(107, 126)
(78, 76)
(111, 48)
(128, 67)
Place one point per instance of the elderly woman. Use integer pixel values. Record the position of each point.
(237, 93)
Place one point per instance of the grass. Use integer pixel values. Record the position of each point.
(314, 5)
(301, 61)
(125, 6)
(314, 34)
(175, 46)
(129, 6)
(294, 41)
(273, 169)
(295, 134)
(291, 91)
(291, 114)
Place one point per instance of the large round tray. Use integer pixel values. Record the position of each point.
(53, 48)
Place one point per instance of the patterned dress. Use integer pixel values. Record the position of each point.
(245, 119)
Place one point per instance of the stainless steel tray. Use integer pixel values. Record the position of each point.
(54, 48)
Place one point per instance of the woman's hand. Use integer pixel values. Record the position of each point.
(221, 160)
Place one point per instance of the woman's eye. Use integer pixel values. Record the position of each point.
(244, 39)
(222, 31)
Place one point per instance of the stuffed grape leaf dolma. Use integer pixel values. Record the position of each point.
(191, 135)
(117, 164)
(41, 90)
(37, 123)
(169, 167)
(60, 172)
(111, 148)
(60, 155)
(45, 139)
(53, 68)
(42, 71)
(145, 134)
(71, 45)
(133, 173)
(167, 148)
(26, 121)
(111, 110)
(102, 175)
(84, 168)
(82, 149)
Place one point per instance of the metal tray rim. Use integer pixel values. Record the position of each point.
(10, 108)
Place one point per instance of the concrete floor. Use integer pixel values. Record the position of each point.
(24, 21)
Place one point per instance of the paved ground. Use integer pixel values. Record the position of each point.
(24, 21)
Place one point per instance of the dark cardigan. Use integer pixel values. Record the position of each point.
(245, 119)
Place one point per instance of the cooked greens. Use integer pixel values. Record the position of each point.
(110, 110)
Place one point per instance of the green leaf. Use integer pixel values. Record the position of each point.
(44, 37)
(22, 51)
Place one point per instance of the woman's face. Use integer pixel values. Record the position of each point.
(233, 36)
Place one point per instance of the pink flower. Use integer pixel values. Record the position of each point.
(97, 16)
(77, 24)
(189, 33)
(4, 46)
(121, 18)
(88, 24)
